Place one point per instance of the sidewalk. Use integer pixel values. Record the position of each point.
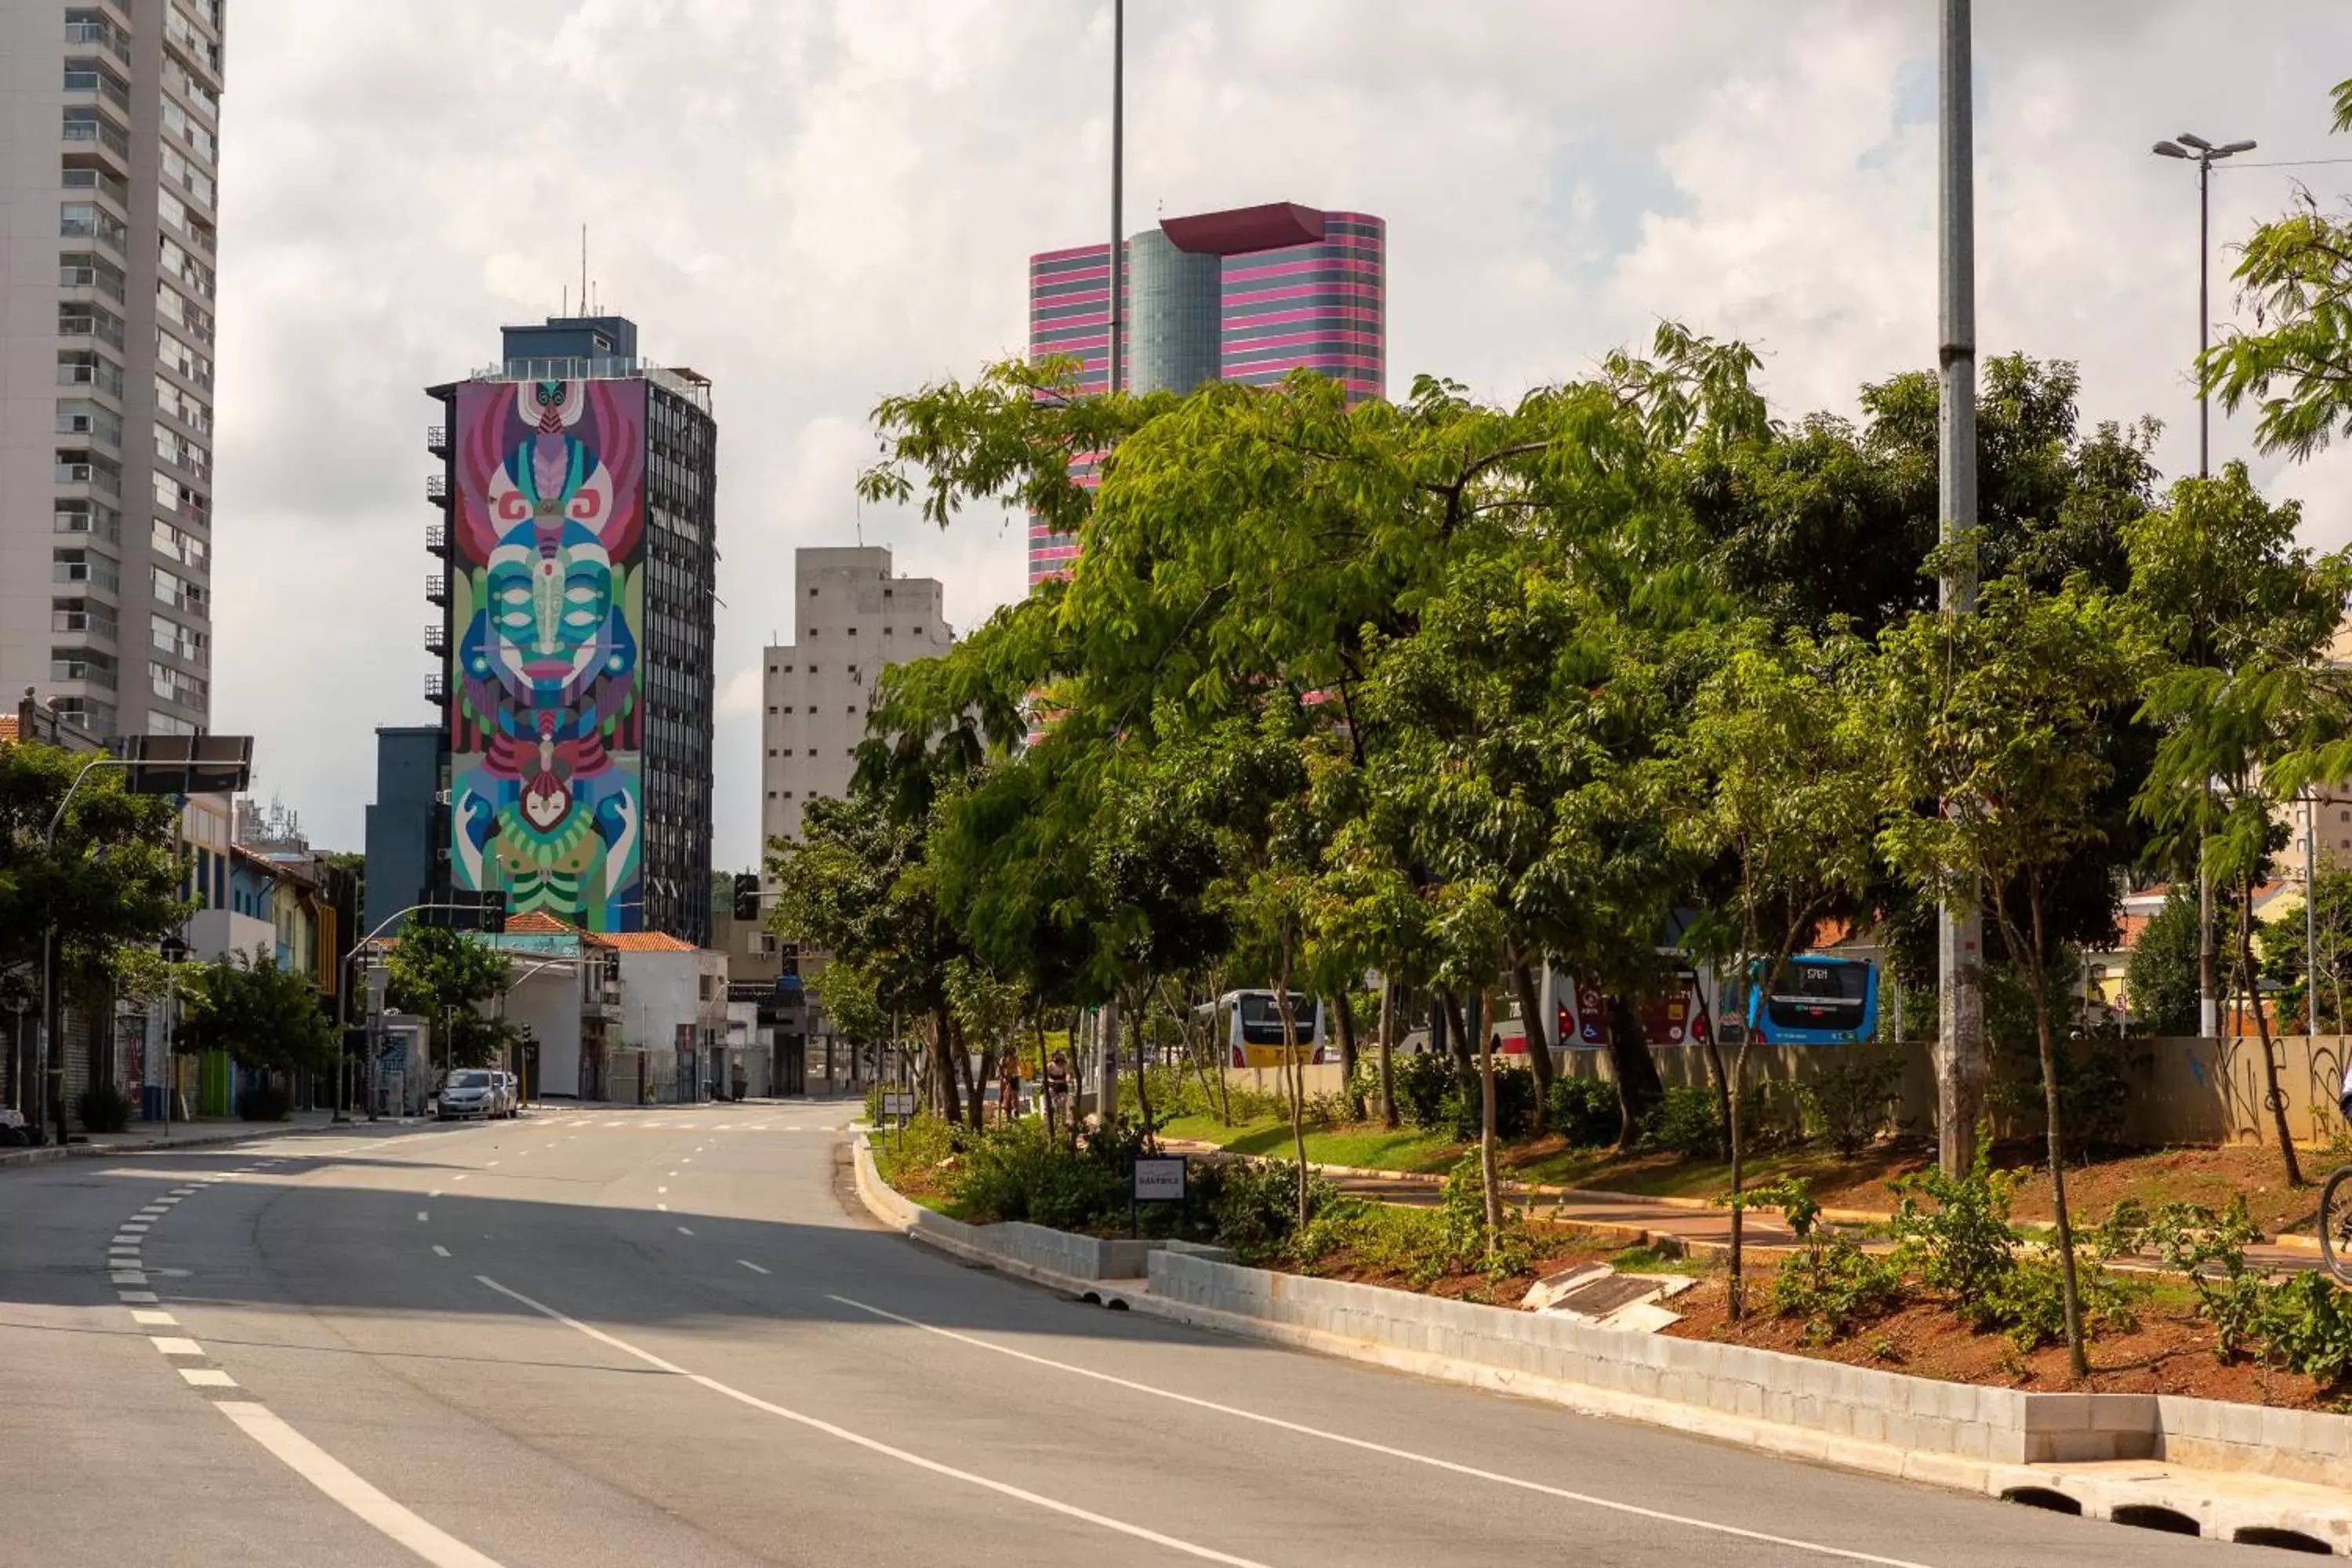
(149, 1137)
(1690, 1226)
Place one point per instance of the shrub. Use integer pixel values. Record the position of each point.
(103, 1108)
(1015, 1171)
(1964, 1248)
(1423, 1082)
(1467, 1245)
(2028, 1305)
(1514, 1105)
(2307, 1323)
(1684, 1121)
(913, 1155)
(265, 1102)
(1835, 1287)
(1323, 1112)
(1852, 1102)
(1584, 1112)
(1255, 1205)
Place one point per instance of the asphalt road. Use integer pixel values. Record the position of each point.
(672, 1337)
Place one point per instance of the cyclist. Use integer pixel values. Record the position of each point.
(2344, 1098)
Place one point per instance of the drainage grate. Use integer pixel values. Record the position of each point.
(2151, 1516)
(2284, 1539)
(2042, 1497)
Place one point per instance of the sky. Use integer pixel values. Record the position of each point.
(819, 202)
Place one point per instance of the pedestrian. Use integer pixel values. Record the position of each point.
(1008, 1088)
(1057, 1090)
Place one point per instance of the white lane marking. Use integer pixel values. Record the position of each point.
(493, 1164)
(874, 1445)
(132, 1276)
(338, 1481)
(151, 1320)
(745, 1261)
(436, 1192)
(681, 1229)
(664, 1207)
(1105, 273)
(189, 1192)
(441, 1251)
(169, 1345)
(1105, 266)
(688, 1159)
(136, 1297)
(138, 1226)
(205, 1377)
(1611, 1504)
(424, 1215)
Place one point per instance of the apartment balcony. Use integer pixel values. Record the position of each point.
(436, 638)
(437, 588)
(602, 1001)
(436, 440)
(437, 539)
(436, 688)
(105, 35)
(437, 489)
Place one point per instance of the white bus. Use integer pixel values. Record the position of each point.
(1249, 1026)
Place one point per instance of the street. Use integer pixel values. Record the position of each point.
(671, 1337)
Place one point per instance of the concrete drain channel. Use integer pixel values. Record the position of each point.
(2169, 1521)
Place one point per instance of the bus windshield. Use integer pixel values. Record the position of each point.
(1261, 1020)
(1814, 994)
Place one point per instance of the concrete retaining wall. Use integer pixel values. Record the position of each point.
(2292, 1445)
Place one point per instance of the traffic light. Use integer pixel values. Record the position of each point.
(494, 913)
(747, 896)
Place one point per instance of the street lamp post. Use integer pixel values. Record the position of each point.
(175, 953)
(2204, 155)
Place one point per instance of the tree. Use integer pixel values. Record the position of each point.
(444, 976)
(1991, 723)
(2297, 273)
(1783, 781)
(266, 1017)
(2282, 945)
(109, 875)
(2250, 708)
(2161, 982)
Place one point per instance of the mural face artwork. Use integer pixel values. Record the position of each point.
(548, 528)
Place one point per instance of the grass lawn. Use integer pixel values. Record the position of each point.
(1367, 1148)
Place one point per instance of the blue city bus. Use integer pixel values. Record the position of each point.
(1821, 1001)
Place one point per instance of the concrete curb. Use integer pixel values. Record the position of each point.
(2095, 1448)
(12, 1158)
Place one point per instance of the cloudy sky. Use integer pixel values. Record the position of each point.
(817, 201)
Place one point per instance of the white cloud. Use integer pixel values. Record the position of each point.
(817, 201)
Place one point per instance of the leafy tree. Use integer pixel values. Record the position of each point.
(266, 1017)
(2161, 982)
(109, 877)
(1784, 780)
(1991, 723)
(446, 976)
(2297, 273)
(2250, 709)
(2282, 945)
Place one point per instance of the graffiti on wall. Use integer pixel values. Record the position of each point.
(548, 598)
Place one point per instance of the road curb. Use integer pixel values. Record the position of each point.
(13, 1157)
(2223, 1505)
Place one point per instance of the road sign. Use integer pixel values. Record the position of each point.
(1160, 1179)
(898, 1105)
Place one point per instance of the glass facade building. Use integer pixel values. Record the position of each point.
(1247, 295)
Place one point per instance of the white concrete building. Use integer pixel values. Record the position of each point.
(109, 170)
(850, 620)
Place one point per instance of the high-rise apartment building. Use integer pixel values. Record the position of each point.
(577, 564)
(850, 618)
(109, 198)
(1247, 295)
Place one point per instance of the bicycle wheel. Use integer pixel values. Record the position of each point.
(2336, 1226)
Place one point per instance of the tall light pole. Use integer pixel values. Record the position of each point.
(1118, 187)
(2204, 155)
(1960, 1068)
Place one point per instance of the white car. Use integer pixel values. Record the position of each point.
(470, 1091)
(509, 1095)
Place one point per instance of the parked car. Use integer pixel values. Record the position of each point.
(509, 1095)
(469, 1092)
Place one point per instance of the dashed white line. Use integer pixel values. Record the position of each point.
(132, 1278)
(681, 1229)
(340, 1482)
(872, 1446)
(441, 1251)
(424, 1215)
(170, 1345)
(1105, 273)
(745, 1261)
(664, 1207)
(149, 1320)
(205, 1377)
(136, 1298)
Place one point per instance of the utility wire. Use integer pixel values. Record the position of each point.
(2223, 168)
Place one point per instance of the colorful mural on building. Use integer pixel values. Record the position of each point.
(547, 603)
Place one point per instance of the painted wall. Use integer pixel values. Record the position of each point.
(548, 598)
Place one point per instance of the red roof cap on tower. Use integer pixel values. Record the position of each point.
(1239, 230)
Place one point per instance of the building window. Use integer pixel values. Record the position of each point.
(853, 631)
(771, 794)
(885, 631)
(812, 751)
(772, 708)
(811, 593)
(771, 750)
(851, 710)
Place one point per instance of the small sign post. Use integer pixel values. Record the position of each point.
(1158, 1179)
(900, 1107)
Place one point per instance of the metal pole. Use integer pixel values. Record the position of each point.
(2310, 917)
(1960, 1048)
(171, 1005)
(2207, 1020)
(1118, 187)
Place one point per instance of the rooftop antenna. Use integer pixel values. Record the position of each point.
(583, 270)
